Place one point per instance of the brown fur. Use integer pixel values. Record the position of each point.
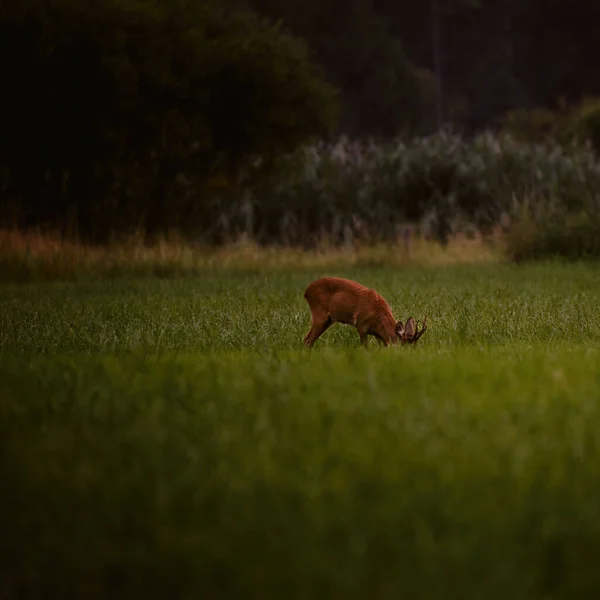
(335, 300)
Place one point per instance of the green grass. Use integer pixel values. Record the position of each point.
(233, 311)
(172, 438)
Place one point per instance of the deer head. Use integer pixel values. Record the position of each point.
(410, 333)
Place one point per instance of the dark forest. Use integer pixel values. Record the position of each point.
(207, 117)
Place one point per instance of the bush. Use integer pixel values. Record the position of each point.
(556, 234)
(535, 124)
(444, 183)
(566, 124)
(582, 122)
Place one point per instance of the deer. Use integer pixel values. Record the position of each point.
(336, 300)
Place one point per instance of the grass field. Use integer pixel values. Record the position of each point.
(172, 438)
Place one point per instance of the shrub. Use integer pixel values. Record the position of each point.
(555, 234)
(566, 124)
(582, 122)
(535, 124)
(444, 183)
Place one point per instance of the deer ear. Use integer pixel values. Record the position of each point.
(399, 328)
(410, 328)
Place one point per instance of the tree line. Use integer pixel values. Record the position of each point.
(149, 114)
(494, 55)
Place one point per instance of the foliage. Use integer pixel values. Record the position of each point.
(582, 122)
(534, 125)
(494, 55)
(443, 182)
(566, 124)
(555, 234)
(547, 227)
(174, 439)
(112, 108)
(382, 92)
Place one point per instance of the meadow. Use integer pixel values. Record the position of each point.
(171, 437)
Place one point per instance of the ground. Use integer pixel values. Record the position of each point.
(173, 436)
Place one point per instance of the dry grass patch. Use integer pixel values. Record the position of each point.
(38, 256)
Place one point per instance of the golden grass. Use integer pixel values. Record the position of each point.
(33, 255)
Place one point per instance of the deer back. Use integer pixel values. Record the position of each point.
(349, 302)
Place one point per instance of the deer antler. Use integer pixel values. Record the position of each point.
(410, 328)
(418, 333)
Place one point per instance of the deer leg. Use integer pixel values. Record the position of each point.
(318, 328)
(364, 338)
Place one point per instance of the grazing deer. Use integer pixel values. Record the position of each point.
(334, 300)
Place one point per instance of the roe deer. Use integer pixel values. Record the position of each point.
(335, 300)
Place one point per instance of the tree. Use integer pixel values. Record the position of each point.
(381, 91)
(116, 99)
